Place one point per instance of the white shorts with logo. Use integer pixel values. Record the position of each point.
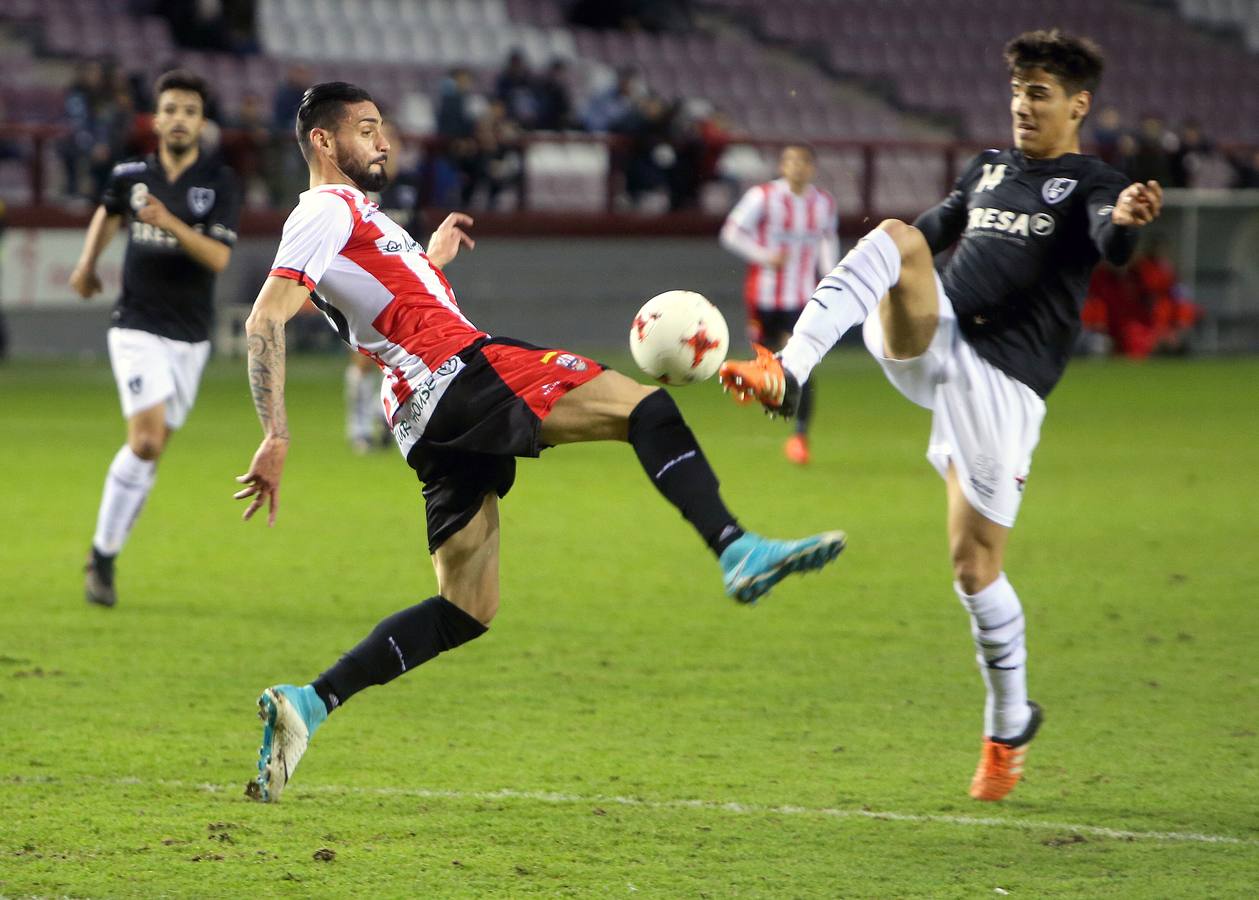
(983, 421)
(150, 369)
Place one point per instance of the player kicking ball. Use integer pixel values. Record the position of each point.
(463, 406)
(983, 344)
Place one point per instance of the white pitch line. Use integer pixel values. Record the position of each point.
(558, 799)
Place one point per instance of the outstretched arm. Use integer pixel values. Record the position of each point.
(278, 301)
(1113, 220)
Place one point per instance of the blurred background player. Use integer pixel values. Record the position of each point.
(181, 207)
(463, 406)
(787, 230)
(365, 421)
(984, 343)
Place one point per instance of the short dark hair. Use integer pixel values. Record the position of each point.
(182, 80)
(323, 106)
(1077, 62)
(801, 145)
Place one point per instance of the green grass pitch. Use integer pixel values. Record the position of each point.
(624, 729)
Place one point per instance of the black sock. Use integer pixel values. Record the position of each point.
(804, 411)
(677, 467)
(398, 644)
(104, 565)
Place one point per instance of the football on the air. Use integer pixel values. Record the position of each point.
(678, 337)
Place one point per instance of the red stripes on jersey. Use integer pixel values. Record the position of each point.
(794, 226)
(293, 275)
(780, 300)
(415, 319)
(752, 283)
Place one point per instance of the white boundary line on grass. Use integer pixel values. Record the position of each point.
(559, 799)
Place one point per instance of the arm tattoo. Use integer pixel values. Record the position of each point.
(266, 378)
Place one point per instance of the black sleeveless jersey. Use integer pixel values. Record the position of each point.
(1031, 232)
(164, 290)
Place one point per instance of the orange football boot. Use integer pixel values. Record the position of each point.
(762, 379)
(1001, 761)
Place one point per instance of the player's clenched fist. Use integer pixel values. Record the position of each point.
(154, 212)
(85, 282)
(1138, 204)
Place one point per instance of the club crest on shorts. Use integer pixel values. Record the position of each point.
(135, 384)
(568, 361)
(1056, 189)
(200, 199)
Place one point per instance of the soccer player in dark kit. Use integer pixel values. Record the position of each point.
(181, 208)
(462, 404)
(982, 344)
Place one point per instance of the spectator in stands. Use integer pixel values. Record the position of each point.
(1150, 159)
(288, 97)
(1108, 133)
(499, 143)
(1196, 163)
(247, 149)
(555, 99)
(289, 174)
(226, 25)
(514, 86)
(457, 129)
(616, 103)
(1247, 167)
(84, 143)
(632, 15)
(649, 156)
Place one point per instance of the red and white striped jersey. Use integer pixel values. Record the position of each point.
(379, 290)
(770, 219)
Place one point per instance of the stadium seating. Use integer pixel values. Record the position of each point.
(946, 57)
(944, 63)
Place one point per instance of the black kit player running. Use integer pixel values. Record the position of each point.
(180, 207)
(164, 290)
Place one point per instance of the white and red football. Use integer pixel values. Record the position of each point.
(679, 337)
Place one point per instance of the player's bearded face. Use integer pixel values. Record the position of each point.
(362, 149)
(365, 170)
(179, 120)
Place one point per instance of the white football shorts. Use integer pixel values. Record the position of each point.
(984, 422)
(150, 369)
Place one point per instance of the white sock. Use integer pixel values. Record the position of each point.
(843, 299)
(997, 626)
(127, 485)
(362, 404)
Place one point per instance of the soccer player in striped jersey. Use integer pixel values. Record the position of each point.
(983, 343)
(787, 231)
(463, 406)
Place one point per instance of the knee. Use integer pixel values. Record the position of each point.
(481, 605)
(975, 566)
(146, 445)
(908, 239)
(653, 408)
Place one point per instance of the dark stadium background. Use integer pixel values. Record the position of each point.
(590, 202)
